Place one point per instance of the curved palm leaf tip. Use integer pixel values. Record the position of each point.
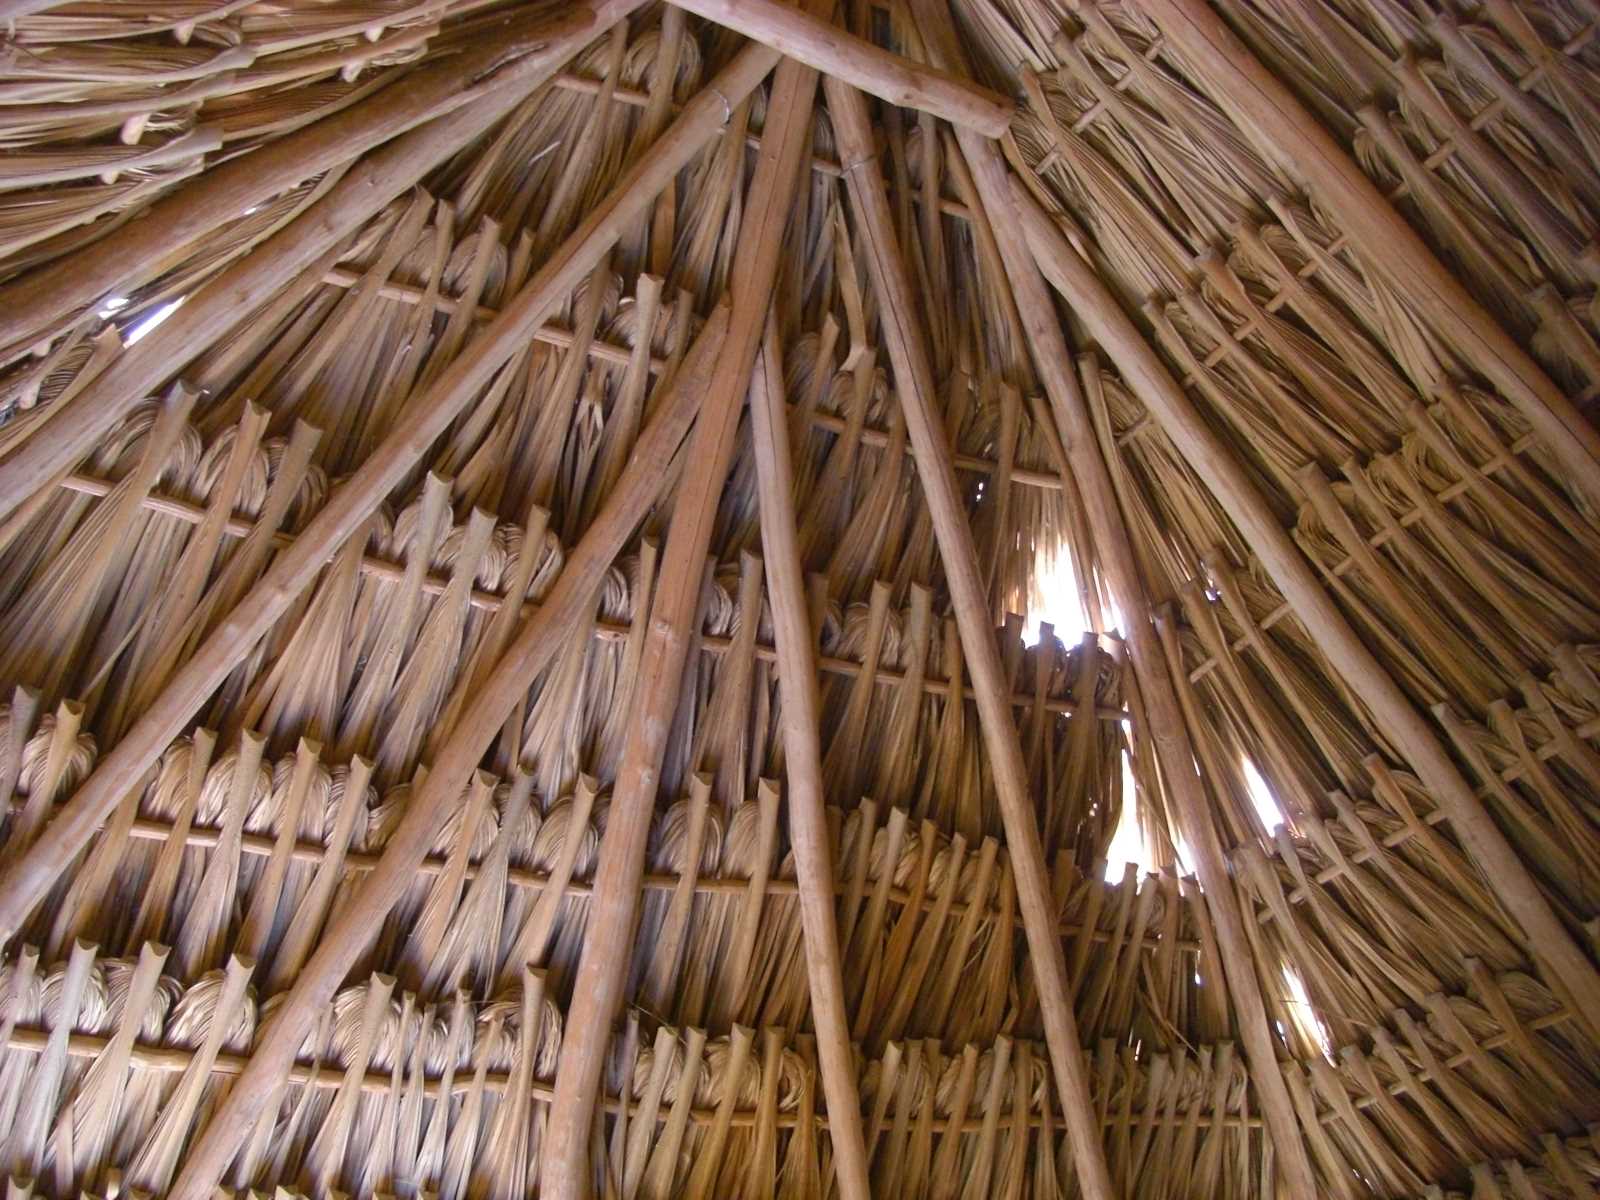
(1424, 1039)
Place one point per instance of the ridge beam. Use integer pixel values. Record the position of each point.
(840, 55)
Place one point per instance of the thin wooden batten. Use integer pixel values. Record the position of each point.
(1287, 134)
(1228, 481)
(609, 933)
(914, 373)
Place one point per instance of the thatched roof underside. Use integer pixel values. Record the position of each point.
(410, 784)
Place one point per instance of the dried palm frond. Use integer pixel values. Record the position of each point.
(1422, 1041)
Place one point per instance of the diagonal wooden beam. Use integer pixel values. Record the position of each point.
(802, 755)
(913, 371)
(60, 291)
(350, 933)
(1165, 724)
(425, 418)
(229, 298)
(1178, 774)
(608, 942)
(1547, 939)
(826, 48)
(1286, 132)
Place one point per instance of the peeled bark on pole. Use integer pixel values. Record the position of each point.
(1289, 135)
(58, 292)
(1547, 938)
(913, 371)
(426, 417)
(227, 300)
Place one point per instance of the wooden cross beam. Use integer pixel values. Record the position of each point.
(840, 55)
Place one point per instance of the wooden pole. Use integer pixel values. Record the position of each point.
(1166, 729)
(564, 1174)
(350, 932)
(913, 372)
(10, 10)
(802, 756)
(1168, 732)
(1290, 136)
(1547, 938)
(60, 291)
(224, 302)
(827, 48)
(424, 419)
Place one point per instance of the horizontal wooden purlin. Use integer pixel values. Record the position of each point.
(553, 334)
(174, 1060)
(260, 846)
(434, 585)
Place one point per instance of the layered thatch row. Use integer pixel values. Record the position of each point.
(897, 664)
(740, 1109)
(349, 347)
(930, 919)
(1460, 1047)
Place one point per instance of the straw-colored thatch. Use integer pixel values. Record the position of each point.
(516, 528)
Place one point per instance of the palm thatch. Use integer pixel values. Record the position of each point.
(517, 529)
